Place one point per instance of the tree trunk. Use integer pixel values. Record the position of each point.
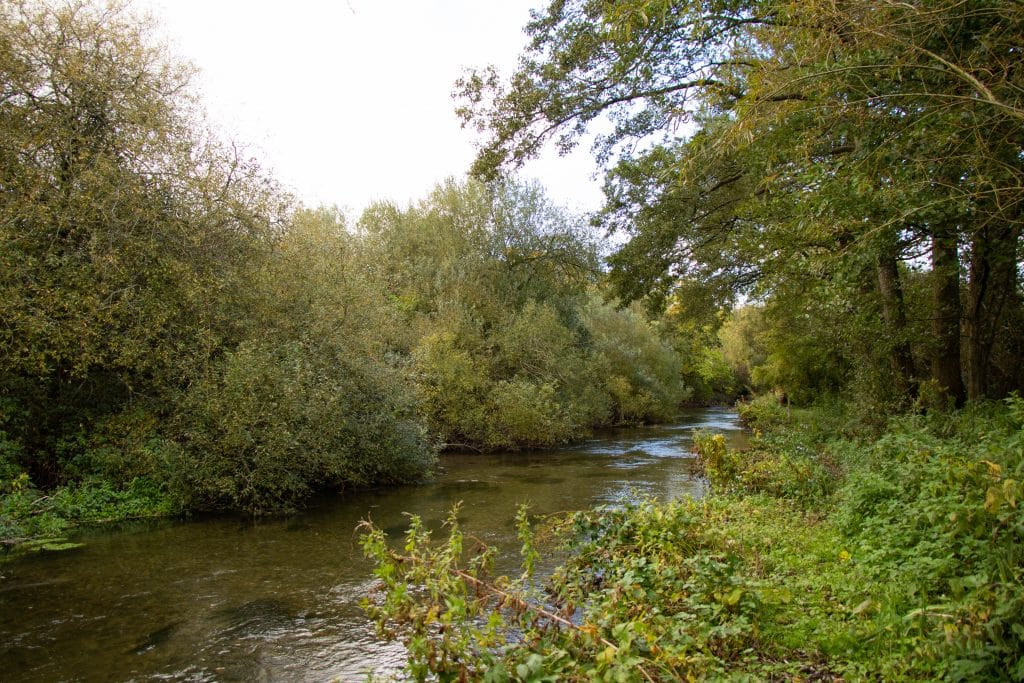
(895, 315)
(946, 313)
(992, 283)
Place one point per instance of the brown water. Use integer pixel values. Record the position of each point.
(223, 599)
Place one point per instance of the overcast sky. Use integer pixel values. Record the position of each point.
(349, 101)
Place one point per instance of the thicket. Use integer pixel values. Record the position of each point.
(510, 340)
(827, 550)
(178, 334)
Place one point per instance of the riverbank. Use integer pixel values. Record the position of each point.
(31, 519)
(227, 596)
(831, 549)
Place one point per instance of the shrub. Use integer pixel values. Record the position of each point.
(527, 414)
(123, 447)
(801, 472)
(642, 371)
(273, 423)
(937, 518)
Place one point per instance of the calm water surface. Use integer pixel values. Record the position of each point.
(224, 599)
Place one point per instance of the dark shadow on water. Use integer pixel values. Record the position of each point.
(462, 486)
(541, 480)
(156, 638)
(252, 618)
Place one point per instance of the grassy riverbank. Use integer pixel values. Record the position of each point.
(31, 519)
(832, 549)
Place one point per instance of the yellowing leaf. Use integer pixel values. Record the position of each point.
(993, 498)
(1010, 487)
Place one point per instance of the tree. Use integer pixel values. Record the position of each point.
(309, 398)
(508, 343)
(835, 142)
(122, 224)
(491, 280)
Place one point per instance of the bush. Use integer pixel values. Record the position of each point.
(123, 447)
(937, 518)
(642, 372)
(527, 414)
(453, 385)
(651, 592)
(801, 473)
(32, 520)
(273, 423)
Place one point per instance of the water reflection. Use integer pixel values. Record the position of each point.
(223, 599)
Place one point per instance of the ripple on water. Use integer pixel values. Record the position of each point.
(253, 618)
(461, 486)
(157, 638)
(541, 480)
(632, 459)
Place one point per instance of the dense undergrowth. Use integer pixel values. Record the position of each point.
(31, 519)
(830, 550)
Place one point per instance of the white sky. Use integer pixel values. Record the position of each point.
(349, 101)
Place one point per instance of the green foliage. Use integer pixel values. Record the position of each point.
(695, 334)
(508, 345)
(743, 344)
(793, 470)
(123, 447)
(809, 156)
(123, 225)
(488, 280)
(307, 400)
(31, 520)
(900, 558)
(172, 318)
(10, 449)
(713, 378)
(452, 584)
(642, 371)
(655, 592)
(276, 422)
(526, 414)
(936, 518)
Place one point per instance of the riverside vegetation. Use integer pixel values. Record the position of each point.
(180, 335)
(830, 550)
(817, 202)
(853, 172)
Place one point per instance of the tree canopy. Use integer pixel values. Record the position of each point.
(802, 151)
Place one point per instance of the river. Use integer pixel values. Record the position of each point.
(226, 599)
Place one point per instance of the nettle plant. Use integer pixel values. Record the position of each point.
(453, 615)
(622, 607)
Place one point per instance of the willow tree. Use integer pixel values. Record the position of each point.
(836, 143)
(122, 223)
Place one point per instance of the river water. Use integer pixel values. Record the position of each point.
(224, 599)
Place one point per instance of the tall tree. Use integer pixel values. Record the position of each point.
(121, 222)
(836, 141)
